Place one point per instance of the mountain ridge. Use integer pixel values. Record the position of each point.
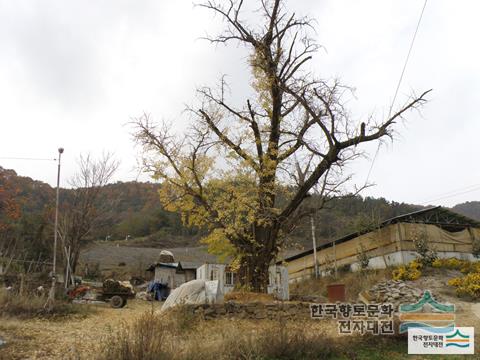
(139, 216)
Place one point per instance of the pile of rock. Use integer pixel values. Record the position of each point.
(395, 292)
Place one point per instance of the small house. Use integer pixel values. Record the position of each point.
(227, 278)
(172, 273)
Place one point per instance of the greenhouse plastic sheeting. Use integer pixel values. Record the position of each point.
(195, 292)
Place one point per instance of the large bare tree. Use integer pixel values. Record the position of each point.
(244, 169)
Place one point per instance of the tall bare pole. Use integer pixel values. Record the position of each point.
(55, 235)
(335, 258)
(312, 222)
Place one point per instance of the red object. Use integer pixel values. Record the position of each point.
(336, 292)
(78, 291)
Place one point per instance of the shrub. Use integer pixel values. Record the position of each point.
(363, 258)
(145, 339)
(184, 318)
(449, 263)
(455, 282)
(470, 267)
(464, 266)
(415, 264)
(426, 255)
(329, 266)
(412, 271)
(469, 285)
(345, 268)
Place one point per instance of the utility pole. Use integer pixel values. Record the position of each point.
(51, 296)
(312, 222)
(335, 258)
(334, 250)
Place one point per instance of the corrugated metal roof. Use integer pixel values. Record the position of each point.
(188, 265)
(182, 265)
(413, 217)
(161, 264)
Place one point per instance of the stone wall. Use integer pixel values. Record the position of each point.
(254, 310)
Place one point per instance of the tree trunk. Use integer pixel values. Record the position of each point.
(254, 273)
(254, 266)
(75, 255)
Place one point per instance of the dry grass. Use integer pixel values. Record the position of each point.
(355, 282)
(30, 306)
(127, 334)
(157, 337)
(160, 337)
(66, 337)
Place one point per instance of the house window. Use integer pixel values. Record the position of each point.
(214, 274)
(229, 278)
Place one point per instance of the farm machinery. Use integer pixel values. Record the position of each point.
(116, 293)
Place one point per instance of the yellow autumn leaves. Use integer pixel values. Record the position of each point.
(411, 271)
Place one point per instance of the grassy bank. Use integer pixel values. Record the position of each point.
(29, 305)
(179, 336)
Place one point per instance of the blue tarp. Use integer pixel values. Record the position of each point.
(160, 290)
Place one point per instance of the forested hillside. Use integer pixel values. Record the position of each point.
(469, 208)
(136, 213)
(346, 215)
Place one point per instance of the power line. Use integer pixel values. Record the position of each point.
(399, 83)
(408, 57)
(459, 189)
(451, 194)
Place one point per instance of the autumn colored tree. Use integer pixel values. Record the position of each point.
(9, 209)
(236, 170)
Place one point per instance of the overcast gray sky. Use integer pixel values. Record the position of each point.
(73, 74)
